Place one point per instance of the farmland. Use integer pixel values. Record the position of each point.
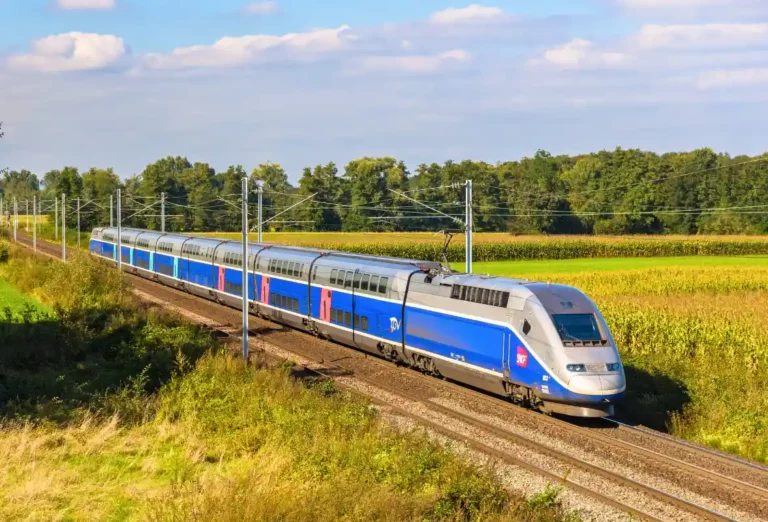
(503, 247)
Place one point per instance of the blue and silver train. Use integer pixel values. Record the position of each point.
(543, 345)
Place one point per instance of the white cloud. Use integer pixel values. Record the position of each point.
(733, 78)
(582, 53)
(233, 51)
(86, 4)
(71, 52)
(702, 36)
(671, 4)
(261, 8)
(414, 63)
(473, 13)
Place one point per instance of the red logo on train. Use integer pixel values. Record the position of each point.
(522, 357)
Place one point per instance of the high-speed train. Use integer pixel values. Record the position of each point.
(543, 345)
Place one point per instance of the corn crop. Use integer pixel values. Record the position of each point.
(503, 247)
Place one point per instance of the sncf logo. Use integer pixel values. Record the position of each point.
(522, 357)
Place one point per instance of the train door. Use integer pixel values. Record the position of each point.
(220, 279)
(326, 297)
(506, 353)
(264, 294)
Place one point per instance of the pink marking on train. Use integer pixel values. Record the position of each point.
(265, 290)
(326, 296)
(221, 278)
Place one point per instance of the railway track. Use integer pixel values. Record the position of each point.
(736, 484)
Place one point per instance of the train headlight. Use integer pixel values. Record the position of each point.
(576, 368)
(614, 367)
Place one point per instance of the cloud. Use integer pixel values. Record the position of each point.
(671, 4)
(733, 78)
(72, 5)
(474, 13)
(414, 63)
(261, 8)
(702, 36)
(71, 52)
(233, 51)
(580, 53)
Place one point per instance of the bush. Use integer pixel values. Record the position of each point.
(4, 253)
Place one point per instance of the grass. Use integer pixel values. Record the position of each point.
(15, 301)
(571, 266)
(125, 413)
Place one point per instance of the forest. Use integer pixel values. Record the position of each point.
(607, 192)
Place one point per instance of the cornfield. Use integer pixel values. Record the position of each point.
(503, 247)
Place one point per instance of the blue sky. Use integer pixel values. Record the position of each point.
(121, 83)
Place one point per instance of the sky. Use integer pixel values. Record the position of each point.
(122, 83)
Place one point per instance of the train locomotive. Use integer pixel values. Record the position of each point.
(543, 345)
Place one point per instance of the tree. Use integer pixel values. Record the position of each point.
(278, 192)
(321, 211)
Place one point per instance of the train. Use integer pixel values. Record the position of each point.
(545, 346)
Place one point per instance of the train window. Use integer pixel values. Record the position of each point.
(334, 273)
(365, 324)
(357, 322)
(272, 299)
(383, 285)
(364, 282)
(464, 291)
(486, 296)
(374, 283)
(290, 268)
(314, 274)
(347, 319)
(577, 327)
(356, 284)
(295, 305)
(526, 327)
(348, 279)
(301, 270)
(504, 299)
(333, 315)
(283, 301)
(456, 292)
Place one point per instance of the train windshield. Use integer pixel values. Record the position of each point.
(577, 327)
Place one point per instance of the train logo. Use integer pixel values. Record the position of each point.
(522, 357)
(394, 324)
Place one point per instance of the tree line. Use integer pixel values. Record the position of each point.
(607, 192)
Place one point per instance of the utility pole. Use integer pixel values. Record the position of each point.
(2, 216)
(34, 223)
(15, 217)
(162, 212)
(119, 232)
(56, 217)
(78, 223)
(245, 268)
(27, 215)
(468, 222)
(260, 185)
(63, 227)
(111, 212)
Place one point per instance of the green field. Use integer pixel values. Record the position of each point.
(15, 300)
(571, 266)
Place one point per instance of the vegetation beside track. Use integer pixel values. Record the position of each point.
(109, 410)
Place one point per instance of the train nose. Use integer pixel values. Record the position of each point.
(592, 384)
